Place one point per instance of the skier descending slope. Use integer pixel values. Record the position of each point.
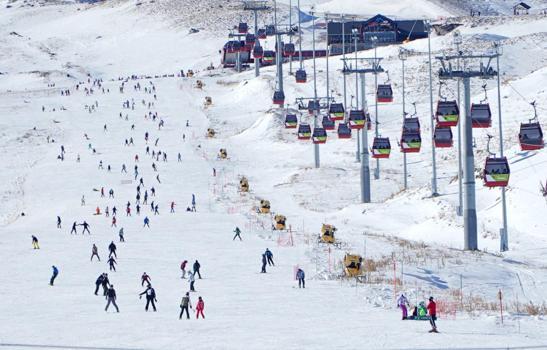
(54, 275)
(150, 297)
(111, 298)
(269, 256)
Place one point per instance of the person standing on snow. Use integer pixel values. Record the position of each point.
(146, 221)
(237, 234)
(95, 252)
(111, 262)
(112, 249)
(402, 303)
(73, 230)
(264, 262)
(54, 275)
(183, 268)
(58, 222)
(432, 310)
(269, 256)
(111, 298)
(197, 266)
(99, 282)
(184, 305)
(145, 278)
(191, 280)
(120, 233)
(86, 227)
(35, 244)
(150, 297)
(193, 202)
(199, 308)
(105, 283)
(172, 207)
(300, 276)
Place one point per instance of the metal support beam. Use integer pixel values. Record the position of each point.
(365, 168)
(469, 205)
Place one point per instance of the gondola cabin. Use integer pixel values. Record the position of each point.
(496, 172)
(268, 58)
(244, 184)
(384, 93)
(352, 265)
(356, 119)
(301, 76)
(411, 125)
(344, 132)
(270, 30)
(304, 132)
(242, 28)
(411, 142)
(312, 106)
(327, 233)
(264, 206)
(530, 137)
(443, 137)
(258, 52)
(328, 124)
(278, 98)
(250, 40)
(291, 122)
(280, 222)
(261, 33)
(447, 113)
(481, 115)
(381, 147)
(288, 50)
(319, 136)
(336, 111)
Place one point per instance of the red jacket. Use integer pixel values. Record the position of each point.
(200, 305)
(432, 308)
(183, 265)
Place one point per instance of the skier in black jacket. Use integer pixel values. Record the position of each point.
(111, 297)
(197, 266)
(150, 297)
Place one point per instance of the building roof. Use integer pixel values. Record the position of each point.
(523, 5)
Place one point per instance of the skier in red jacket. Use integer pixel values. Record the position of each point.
(199, 308)
(183, 268)
(432, 310)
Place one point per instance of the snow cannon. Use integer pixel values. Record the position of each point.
(280, 222)
(327, 233)
(352, 264)
(244, 184)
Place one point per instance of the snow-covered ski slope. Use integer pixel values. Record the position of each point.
(61, 44)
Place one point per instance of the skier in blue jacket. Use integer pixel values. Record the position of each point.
(55, 273)
(300, 276)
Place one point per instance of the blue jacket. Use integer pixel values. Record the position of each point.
(300, 274)
(55, 270)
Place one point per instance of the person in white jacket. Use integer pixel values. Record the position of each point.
(191, 279)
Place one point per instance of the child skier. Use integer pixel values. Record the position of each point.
(199, 308)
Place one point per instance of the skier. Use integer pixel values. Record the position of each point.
(111, 297)
(197, 266)
(193, 202)
(184, 305)
(114, 211)
(191, 280)
(112, 249)
(402, 303)
(106, 212)
(102, 192)
(237, 235)
(114, 220)
(124, 169)
(95, 252)
(172, 207)
(179, 158)
(120, 233)
(82, 201)
(54, 276)
(269, 256)
(112, 262)
(145, 278)
(199, 308)
(156, 209)
(35, 244)
(432, 310)
(264, 262)
(58, 222)
(183, 268)
(150, 297)
(300, 276)
(73, 230)
(86, 227)
(105, 283)
(99, 282)
(146, 221)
